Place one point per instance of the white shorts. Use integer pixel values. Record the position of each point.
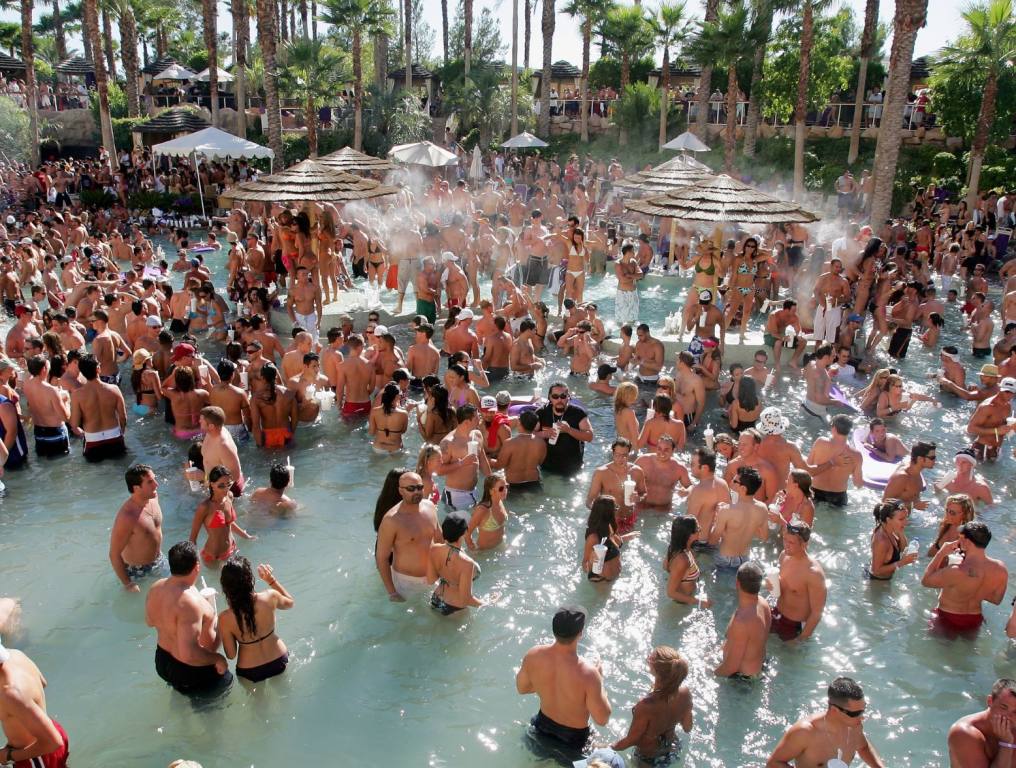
(309, 323)
(407, 585)
(827, 323)
(626, 307)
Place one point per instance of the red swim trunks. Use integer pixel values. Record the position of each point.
(56, 759)
(237, 488)
(786, 629)
(355, 409)
(277, 437)
(956, 622)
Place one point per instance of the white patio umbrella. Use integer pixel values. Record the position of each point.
(476, 166)
(175, 72)
(423, 153)
(687, 142)
(525, 140)
(224, 76)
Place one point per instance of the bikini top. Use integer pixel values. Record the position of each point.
(692, 573)
(490, 523)
(219, 520)
(710, 270)
(252, 642)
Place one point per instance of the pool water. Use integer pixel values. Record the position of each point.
(376, 683)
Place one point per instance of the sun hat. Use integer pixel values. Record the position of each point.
(989, 369)
(141, 356)
(772, 421)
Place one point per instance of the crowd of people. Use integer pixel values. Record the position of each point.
(97, 322)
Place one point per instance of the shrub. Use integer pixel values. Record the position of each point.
(123, 128)
(146, 200)
(946, 164)
(96, 198)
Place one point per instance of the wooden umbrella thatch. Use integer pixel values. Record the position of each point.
(309, 181)
(349, 160)
(10, 64)
(76, 65)
(175, 120)
(722, 198)
(676, 173)
(160, 64)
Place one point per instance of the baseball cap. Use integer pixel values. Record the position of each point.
(449, 256)
(183, 350)
(153, 322)
(569, 620)
(605, 371)
(989, 369)
(380, 330)
(21, 309)
(705, 295)
(25, 241)
(141, 356)
(855, 318)
(11, 221)
(466, 314)
(231, 237)
(1008, 384)
(488, 403)
(502, 398)
(772, 421)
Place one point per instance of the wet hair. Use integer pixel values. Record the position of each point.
(706, 458)
(663, 405)
(459, 371)
(439, 395)
(217, 473)
(225, 368)
(884, 510)
(750, 479)
(802, 479)
(601, 517)
(681, 530)
(528, 420)
(270, 374)
(465, 412)
(921, 449)
(843, 690)
(670, 668)
(184, 379)
(841, 424)
(278, 476)
(194, 455)
(390, 396)
(182, 557)
(237, 580)
(747, 394)
(454, 527)
(134, 475)
(977, 533)
(749, 577)
(389, 495)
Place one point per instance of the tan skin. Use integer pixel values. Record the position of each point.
(656, 716)
(136, 538)
(220, 540)
(677, 567)
(744, 646)
(406, 533)
(27, 726)
(497, 510)
(974, 740)
(237, 644)
(802, 585)
(887, 536)
(814, 740)
(965, 586)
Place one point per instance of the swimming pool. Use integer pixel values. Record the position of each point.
(376, 683)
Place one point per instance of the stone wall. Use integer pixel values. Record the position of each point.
(72, 127)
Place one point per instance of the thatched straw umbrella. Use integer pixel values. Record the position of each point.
(677, 172)
(349, 160)
(309, 181)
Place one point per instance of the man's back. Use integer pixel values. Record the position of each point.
(561, 681)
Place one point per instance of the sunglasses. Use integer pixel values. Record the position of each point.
(559, 396)
(848, 712)
(411, 488)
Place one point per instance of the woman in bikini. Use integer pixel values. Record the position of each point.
(460, 390)
(706, 265)
(452, 569)
(888, 541)
(218, 517)
(601, 528)
(680, 562)
(427, 463)
(489, 515)
(377, 261)
(959, 509)
(247, 627)
(146, 384)
(387, 422)
(746, 406)
(325, 239)
(661, 424)
(578, 262)
(741, 281)
(185, 404)
(668, 387)
(438, 419)
(867, 269)
(287, 254)
(894, 399)
(626, 424)
(306, 255)
(794, 501)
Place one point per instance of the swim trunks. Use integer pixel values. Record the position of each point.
(458, 499)
(573, 738)
(188, 679)
(528, 485)
(786, 629)
(900, 342)
(495, 373)
(981, 352)
(136, 572)
(264, 671)
(186, 434)
(107, 444)
(427, 308)
(626, 307)
(238, 431)
(55, 759)
(178, 326)
(349, 408)
(815, 409)
(985, 452)
(114, 379)
(277, 437)
(729, 562)
(309, 323)
(408, 585)
(956, 622)
(52, 441)
(836, 498)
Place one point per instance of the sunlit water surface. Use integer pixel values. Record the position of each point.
(376, 683)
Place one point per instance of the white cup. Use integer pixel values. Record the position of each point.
(773, 579)
(292, 473)
(327, 400)
(472, 447)
(913, 547)
(650, 413)
(557, 432)
(230, 334)
(243, 379)
(708, 433)
(629, 492)
(599, 557)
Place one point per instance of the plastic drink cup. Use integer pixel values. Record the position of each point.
(195, 485)
(292, 473)
(243, 379)
(629, 492)
(557, 432)
(599, 557)
(650, 413)
(230, 334)
(913, 547)
(773, 579)
(708, 434)
(472, 447)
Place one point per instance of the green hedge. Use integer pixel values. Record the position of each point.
(96, 198)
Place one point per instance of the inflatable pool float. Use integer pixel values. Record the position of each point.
(202, 249)
(840, 397)
(875, 471)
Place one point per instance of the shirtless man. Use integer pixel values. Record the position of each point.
(966, 480)
(777, 337)
(648, 356)
(521, 456)
(404, 538)
(98, 414)
(454, 279)
(570, 688)
(232, 400)
(109, 348)
(497, 350)
(748, 456)
(737, 524)
(709, 491)
(984, 739)
(626, 301)
(460, 465)
(578, 343)
(303, 304)
(331, 356)
(903, 314)
(966, 583)
(836, 463)
(274, 495)
(662, 473)
(135, 543)
(988, 424)
(832, 292)
(427, 288)
(310, 380)
(744, 647)
(218, 448)
(423, 358)
(819, 383)
(609, 480)
(802, 586)
(50, 408)
(775, 448)
(461, 337)
(883, 445)
(691, 391)
(907, 482)
(523, 357)
(33, 738)
(23, 331)
(814, 740)
(355, 380)
(292, 361)
(187, 627)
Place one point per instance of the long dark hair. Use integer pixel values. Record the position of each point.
(681, 531)
(389, 495)
(237, 580)
(747, 394)
(441, 407)
(601, 517)
(389, 397)
(270, 374)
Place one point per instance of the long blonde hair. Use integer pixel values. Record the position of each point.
(427, 452)
(625, 395)
(670, 668)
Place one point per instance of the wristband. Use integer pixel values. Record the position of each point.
(1007, 745)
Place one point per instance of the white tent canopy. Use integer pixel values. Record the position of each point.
(224, 76)
(423, 153)
(524, 140)
(688, 142)
(212, 144)
(174, 72)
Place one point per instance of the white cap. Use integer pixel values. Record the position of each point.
(380, 330)
(1008, 384)
(153, 322)
(26, 241)
(11, 221)
(466, 314)
(449, 256)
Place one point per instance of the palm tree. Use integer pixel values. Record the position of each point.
(727, 41)
(527, 13)
(590, 12)
(309, 71)
(868, 37)
(910, 16)
(705, 78)
(808, 8)
(124, 11)
(241, 41)
(987, 45)
(31, 93)
(467, 34)
(547, 23)
(267, 44)
(407, 16)
(58, 30)
(670, 26)
(628, 34)
(91, 12)
(359, 17)
(515, 68)
(209, 16)
(444, 31)
(107, 41)
(765, 10)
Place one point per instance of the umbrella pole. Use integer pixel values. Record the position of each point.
(673, 243)
(201, 193)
